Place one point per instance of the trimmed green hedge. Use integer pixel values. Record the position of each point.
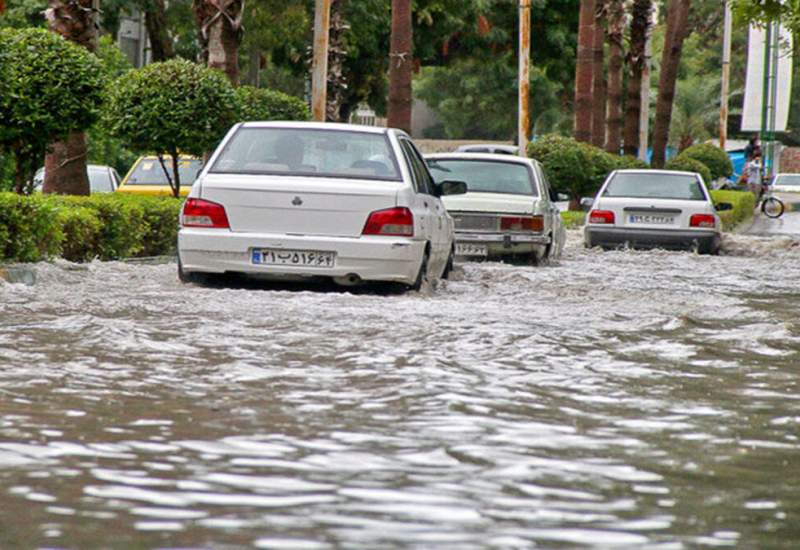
(715, 158)
(686, 164)
(744, 202)
(104, 226)
(573, 219)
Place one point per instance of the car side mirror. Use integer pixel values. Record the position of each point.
(562, 197)
(587, 203)
(723, 206)
(451, 187)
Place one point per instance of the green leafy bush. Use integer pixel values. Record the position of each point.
(686, 164)
(629, 162)
(48, 88)
(573, 219)
(264, 104)
(107, 227)
(715, 158)
(171, 107)
(744, 202)
(577, 168)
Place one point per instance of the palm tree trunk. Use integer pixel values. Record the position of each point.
(616, 25)
(155, 20)
(599, 83)
(220, 24)
(337, 81)
(584, 72)
(677, 31)
(400, 66)
(640, 24)
(65, 163)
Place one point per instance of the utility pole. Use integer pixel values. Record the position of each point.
(524, 115)
(319, 70)
(726, 75)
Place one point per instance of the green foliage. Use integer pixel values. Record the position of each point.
(577, 168)
(23, 13)
(476, 98)
(262, 104)
(744, 202)
(566, 163)
(104, 226)
(115, 62)
(573, 219)
(171, 107)
(715, 158)
(686, 164)
(48, 88)
(764, 11)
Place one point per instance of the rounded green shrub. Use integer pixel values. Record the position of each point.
(49, 87)
(566, 163)
(629, 162)
(715, 158)
(264, 104)
(170, 108)
(686, 164)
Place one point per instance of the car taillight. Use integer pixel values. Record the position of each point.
(702, 220)
(522, 223)
(392, 222)
(601, 216)
(200, 213)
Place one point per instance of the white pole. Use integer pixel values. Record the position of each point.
(319, 71)
(726, 75)
(524, 116)
(644, 111)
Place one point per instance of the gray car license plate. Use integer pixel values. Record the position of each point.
(466, 249)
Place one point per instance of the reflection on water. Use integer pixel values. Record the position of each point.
(623, 398)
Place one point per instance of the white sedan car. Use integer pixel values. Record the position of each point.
(305, 200)
(509, 209)
(786, 183)
(654, 209)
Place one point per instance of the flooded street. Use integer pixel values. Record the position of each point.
(649, 399)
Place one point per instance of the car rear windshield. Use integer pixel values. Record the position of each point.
(308, 152)
(655, 186)
(484, 176)
(148, 171)
(788, 179)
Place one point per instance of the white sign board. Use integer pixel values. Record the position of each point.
(754, 86)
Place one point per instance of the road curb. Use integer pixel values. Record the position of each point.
(18, 275)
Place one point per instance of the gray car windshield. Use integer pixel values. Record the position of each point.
(655, 186)
(788, 179)
(481, 176)
(308, 152)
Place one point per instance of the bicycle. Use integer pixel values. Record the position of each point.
(772, 207)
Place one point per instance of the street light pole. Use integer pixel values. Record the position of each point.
(726, 75)
(524, 115)
(319, 71)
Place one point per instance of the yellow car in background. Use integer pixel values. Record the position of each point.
(146, 176)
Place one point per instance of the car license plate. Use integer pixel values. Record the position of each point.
(305, 258)
(463, 249)
(652, 219)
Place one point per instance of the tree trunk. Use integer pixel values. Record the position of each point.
(254, 67)
(584, 72)
(677, 31)
(220, 24)
(400, 66)
(599, 83)
(155, 20)
(616, 25)
(65, 164)
(337, 82)
(640, 25)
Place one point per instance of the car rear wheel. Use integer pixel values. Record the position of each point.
(188, 277)
(422, 276)
(448, 268)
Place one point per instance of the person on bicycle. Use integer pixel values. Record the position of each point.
(753, 171)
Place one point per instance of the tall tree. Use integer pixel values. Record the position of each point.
(155, 21)
(584, 72)
(65, 163)
(640, 26)
(335, 110)
(599, 83)
(400, 66)
(616, 30)
(221, 30)
(677, 31)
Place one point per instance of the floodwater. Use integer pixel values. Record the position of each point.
(641, 399)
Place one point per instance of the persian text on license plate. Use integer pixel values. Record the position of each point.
(652, 219)
(471, 249)
(306, 258)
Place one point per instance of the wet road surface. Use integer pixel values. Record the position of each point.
(642, 399)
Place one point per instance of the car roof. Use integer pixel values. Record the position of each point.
(654, 172)
(155, 157)
(336, 126)
(495, 157)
